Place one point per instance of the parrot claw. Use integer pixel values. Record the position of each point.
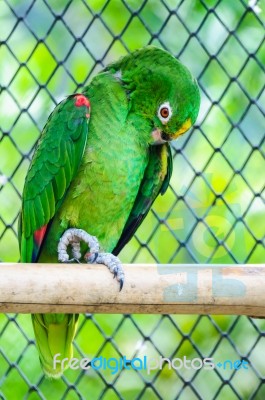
(74, 260)
(115, 274)
(91, 257)
(72, 237)
(121, 284)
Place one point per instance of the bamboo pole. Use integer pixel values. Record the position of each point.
(167, 289)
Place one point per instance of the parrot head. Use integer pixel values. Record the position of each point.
(160, 89)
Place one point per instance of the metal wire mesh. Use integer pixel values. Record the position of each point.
(213, 211)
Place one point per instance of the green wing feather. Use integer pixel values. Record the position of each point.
(156, 180)
(54, 164)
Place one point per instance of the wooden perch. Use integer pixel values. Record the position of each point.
(168, 289)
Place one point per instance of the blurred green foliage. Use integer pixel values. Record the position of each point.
(213, 211)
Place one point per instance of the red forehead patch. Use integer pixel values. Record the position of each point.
(81, 100)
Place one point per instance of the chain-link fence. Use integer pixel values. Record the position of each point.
(213, 211)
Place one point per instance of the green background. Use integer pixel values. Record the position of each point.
(213, 211)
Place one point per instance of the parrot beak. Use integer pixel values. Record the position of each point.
(161, 137)
(184, 127)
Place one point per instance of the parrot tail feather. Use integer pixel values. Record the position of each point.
(54, 336)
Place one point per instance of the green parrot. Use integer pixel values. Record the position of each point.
(102, 159)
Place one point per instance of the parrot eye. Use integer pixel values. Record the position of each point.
(164, 112)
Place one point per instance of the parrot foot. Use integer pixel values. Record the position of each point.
(112, 263)
(72, 237)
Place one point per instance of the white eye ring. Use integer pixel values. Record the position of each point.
(164, 112)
